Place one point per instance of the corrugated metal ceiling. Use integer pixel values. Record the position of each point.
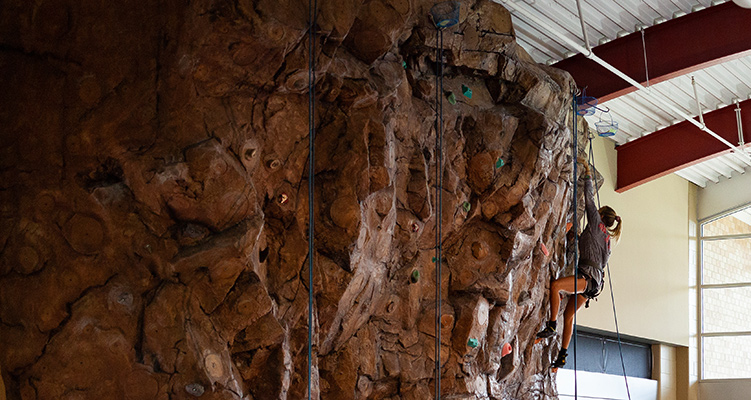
(637, 115)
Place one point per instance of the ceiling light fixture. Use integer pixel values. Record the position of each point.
(743, 3)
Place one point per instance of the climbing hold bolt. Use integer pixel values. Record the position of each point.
(499, 163)
(472, 342)
(466, 206)
(415, 227)
(466, 91)
(125, 299)
(404, 64)
(415, 276)
(506, 350)
(544, 249)
(249, 153)
(196, 389)
(283, 198)
(452, 98)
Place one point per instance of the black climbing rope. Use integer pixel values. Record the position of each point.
(575, 157)
(439, 206)
(312, 12)
(610, 283)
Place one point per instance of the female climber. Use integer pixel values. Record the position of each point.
(594, 251)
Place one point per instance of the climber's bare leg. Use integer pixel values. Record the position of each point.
(565, 285)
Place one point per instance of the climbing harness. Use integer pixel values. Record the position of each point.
(312, 13)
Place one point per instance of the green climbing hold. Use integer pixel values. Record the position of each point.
(404, 64)
(466, 206)
(452, 98)
(432, 259)
(473, 343)
(499, 163)
(467, 91)
(415, 276)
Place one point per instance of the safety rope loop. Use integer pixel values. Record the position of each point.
(312, 13)
(612, 295)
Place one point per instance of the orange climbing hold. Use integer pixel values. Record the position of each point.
(568, 226)
(506, 350)
(544, 249)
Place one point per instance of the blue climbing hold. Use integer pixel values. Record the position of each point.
(473, 343)
(404, 64)
(499, 163)
(467, 91)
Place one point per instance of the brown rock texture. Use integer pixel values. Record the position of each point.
(154, 201)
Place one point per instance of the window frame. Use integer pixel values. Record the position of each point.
(701, 286)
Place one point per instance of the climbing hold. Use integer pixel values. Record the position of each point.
(499, 163)
(473, 343)
(415, 276)
(466, 206)
(544, 249)
(447, 321)
(506, 350)
(273, 164)
(479, 251)
(452, 98)
(415, 227)
(404, 64)
(466, 91)
(432, 259)
(568, 226)
(196, 389)
(283, 198)
(249, 153)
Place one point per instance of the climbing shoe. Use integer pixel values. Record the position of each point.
(561, 360)
(549, 330)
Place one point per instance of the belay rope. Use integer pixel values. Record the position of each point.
(576, 236)
(312, 12)
(610, 283)
(439, 204)
(591, 161)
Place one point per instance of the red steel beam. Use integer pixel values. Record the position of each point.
(678, 146)
(676, 47)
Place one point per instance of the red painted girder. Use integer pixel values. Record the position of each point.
(678, 146)
(676, 47)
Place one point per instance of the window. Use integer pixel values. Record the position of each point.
(725, 296)
(599, 352)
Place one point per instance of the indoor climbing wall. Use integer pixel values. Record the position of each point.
(154, 201)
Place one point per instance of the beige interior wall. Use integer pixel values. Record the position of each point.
(650, 278)
(724, 196)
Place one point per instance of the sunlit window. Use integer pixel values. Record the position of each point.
(725, 329)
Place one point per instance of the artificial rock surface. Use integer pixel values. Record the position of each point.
(154, 201)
